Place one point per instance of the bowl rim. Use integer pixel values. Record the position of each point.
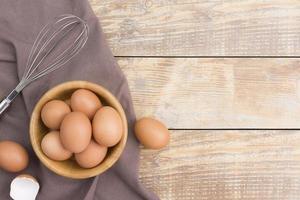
(36, 115)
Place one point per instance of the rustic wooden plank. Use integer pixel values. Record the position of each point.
(216, 93)
(200, 27)
(220, 165)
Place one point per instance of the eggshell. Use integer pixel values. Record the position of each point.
(24, 187)
(53, 113)
(13, 156)
(152, 133)
(107, 126)
(75, 132)
(53, 148)
(92, 156)
(85, 101)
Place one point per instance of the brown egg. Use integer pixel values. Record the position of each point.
(75, 132)
(107, 126)
(53, 148)
(68, 102)
(13, 156)
(92, 156)
(152, 133)
(85, 101)
(53, 113)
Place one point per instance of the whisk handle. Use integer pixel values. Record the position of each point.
(6, 102)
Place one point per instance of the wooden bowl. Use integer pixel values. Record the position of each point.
(70, 168)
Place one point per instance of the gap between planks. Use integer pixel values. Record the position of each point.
(216, 93)
(136, 56)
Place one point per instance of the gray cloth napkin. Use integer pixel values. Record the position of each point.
(20, 22)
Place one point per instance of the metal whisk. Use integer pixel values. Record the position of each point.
(56, 44)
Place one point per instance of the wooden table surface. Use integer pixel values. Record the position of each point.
(224, 75)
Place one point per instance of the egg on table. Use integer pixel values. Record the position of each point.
(75, 132)
(152, 133)
(53, 148)
(107, 126)
(85, 101)
(53, 113)
(92, 156)
(13, 156)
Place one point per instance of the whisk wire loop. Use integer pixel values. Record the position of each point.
(33, 65)
(52, 36)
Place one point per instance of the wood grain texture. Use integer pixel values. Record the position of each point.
(216, 93)
(200, 27)
(196, 93)
(221, 165)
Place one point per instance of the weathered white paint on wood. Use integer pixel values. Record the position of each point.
(216, 93)
(225, 165)
(200, 27)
